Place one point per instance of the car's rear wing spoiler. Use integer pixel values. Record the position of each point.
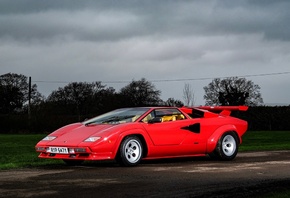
(221, 108)
(224, 110)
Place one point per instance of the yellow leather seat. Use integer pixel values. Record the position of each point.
(168, 118)
(147, 118)
(180, 117)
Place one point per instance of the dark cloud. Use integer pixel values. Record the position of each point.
(32, 19)
(166, 39)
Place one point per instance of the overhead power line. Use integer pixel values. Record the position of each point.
(173, 80)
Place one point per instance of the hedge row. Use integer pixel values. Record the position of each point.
(259, 118)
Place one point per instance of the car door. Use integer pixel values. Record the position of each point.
(172, 132)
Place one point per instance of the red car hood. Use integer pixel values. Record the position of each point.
(74, 134)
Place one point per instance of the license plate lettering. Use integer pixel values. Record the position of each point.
(63, 150)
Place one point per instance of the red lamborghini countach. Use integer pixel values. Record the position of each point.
(129, 135)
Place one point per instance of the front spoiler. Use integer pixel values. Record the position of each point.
(78, 156)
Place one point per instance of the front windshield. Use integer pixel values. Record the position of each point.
(118, 116)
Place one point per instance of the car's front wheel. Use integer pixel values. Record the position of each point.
(227, 146)
(130, 151)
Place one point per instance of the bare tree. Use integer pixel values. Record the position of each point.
(188, 95)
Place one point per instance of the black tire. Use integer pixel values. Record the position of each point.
(227, 147)
(73, 162)
(130, 151)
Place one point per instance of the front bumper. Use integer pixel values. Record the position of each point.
(87, 154)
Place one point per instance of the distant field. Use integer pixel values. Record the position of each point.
(17, 151)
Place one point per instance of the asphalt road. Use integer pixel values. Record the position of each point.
(251, 174)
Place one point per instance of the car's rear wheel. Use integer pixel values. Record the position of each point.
(130, 151)
(227, 147)
(73, 162)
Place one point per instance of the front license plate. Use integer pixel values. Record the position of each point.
(62, 150)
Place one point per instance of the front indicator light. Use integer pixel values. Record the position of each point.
(80, 150)
(71, 150)
(76, 150)
(40, 149)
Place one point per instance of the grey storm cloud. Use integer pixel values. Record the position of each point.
(110, 20)
(121, 40)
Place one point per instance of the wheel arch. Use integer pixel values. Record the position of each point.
(144, 144)
(214, 138)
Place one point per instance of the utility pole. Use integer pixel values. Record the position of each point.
(29, 99)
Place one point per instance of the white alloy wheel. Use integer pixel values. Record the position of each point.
(131, 151)
(229, 145)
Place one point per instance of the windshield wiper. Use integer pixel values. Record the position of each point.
(90, 123)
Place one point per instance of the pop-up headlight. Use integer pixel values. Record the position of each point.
(92, 139)
(49, 138)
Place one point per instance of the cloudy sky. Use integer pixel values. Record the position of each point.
(170, 43)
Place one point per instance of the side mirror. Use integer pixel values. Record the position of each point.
(155, 120)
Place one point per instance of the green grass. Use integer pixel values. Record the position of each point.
(265, 141)
(17, 151)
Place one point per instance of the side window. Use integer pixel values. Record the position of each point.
(168, 115)
(150, 116)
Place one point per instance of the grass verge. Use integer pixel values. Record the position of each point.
(17, 151)
(265, 141)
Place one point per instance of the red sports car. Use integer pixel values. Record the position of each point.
(129, 135)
